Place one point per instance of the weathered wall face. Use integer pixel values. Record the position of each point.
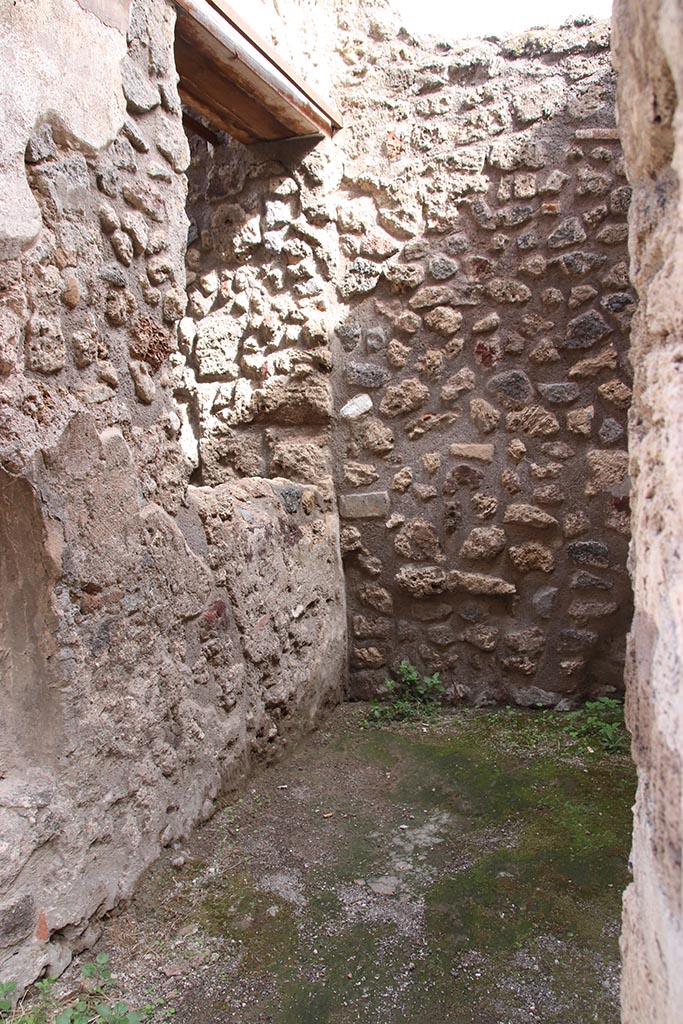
(255, 364)
(484, 317)
(648, 44)
(452, 272)
(156, 636)
(424, 319)
(83, 107)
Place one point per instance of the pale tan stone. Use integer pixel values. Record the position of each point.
(478, 452)
(649, 58)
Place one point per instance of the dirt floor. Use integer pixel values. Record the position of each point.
(467, 870)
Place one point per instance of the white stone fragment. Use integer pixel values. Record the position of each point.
(358, 405)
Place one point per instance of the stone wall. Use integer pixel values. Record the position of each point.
(484, 318)
(255, 364)
(85, 107)
(156, 636)
(648, 42)
(423, 320)
(452, 269)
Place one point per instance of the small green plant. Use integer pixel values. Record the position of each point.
(157, 1008)
(7, 988)
(408, 697)
(94, 1007)
(600, 722)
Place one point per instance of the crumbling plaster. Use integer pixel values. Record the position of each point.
(84, 107)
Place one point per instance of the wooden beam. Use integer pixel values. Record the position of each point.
(200, 76)
(235, 86)
(235, 18)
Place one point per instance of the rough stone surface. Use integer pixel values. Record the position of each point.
(374, 505)
(433, 308)
(498, 319)
(157, 638)
(87, 107)
(649, 56)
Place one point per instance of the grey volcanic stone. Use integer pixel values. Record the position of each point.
(560, 393)
(585, 330)
(576, 639)
(140, 91)
(576, 264)
(589, 552)
(361, 278)
(544, 601)
(366, 375)
(423, 581)
(484, 542)
(350, 333)
(586, 580)
(610, 431)
(17, 920)
(441, 268)
(569, 232)
(512, 387)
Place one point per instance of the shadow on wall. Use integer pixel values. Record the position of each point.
(32, 732)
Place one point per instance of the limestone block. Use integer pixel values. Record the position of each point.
(358, 474)
(355, 407)
(145, 388)
(529, 515)
(479, 452)
(422, 581)
(483, 542)
(507, 290)
(616, 392)
(484, 415)
(45, 350)
(403, 277)
(377, 597)
(371, 505)
(443, 320)
(476, 583)
(608, 470)
(419, 542)
(402, 480)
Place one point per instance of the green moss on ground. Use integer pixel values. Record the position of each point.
(468, 870)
